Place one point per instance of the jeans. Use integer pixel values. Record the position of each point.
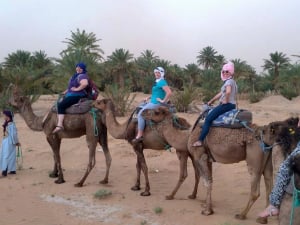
(219, 110)
(141, 120)
(66, 102)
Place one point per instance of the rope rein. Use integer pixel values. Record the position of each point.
(295, 202)
(94, 111)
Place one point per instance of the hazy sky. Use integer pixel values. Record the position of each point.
(176, 30)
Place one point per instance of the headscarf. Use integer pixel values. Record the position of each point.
(229, 67)
(10, 115)
(82, 66)
(161, 71)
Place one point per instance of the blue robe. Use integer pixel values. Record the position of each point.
(8, 148)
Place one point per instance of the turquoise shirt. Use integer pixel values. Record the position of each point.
(158, 91)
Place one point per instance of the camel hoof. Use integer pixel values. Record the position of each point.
(169, 197)
(192, 196)
(59, 181)
(145, 193)
(135, 188)
(78, 185)
(103, 182)
(207, 212)
(240, 217)
(262, 220)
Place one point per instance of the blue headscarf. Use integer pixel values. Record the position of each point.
(82, 66)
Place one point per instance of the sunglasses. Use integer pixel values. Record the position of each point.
(225, 71)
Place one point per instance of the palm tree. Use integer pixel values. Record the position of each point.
(193, 72)
(19, 58)
(85, 43)
(145, 63)
(277, 62)
(207, 57)
(120, 63)
(29, 72)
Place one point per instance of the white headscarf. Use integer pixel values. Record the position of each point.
(161, 71)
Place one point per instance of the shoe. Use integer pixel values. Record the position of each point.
(137, 140)
(4, 173)
(12, 172)
(197, 144)
(269, 211)
(57, 129)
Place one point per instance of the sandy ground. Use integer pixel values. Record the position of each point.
(32, 198)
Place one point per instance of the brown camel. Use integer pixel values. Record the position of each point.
(283, 137)
(227, 146)
(153, 139)
(75, 125)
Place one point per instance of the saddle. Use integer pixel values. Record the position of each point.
(135, 113)
(235, 118)
(83, 106)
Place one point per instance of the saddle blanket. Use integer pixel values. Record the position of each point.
(235, 118)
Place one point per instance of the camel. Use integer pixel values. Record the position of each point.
(283, 137)
(153, 139)
(75, 125)
(227, 146)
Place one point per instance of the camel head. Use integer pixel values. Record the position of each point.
(162, 113)
(286, 133)
(104, 104)
(16, 99)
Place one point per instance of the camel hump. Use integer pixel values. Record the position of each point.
(83, 106)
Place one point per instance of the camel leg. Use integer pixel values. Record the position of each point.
(182, 156)
(92, 143)
(55, 142)
(255, 193)
(204, 167)
(142, 165)
(197, 179)
(103, 143)
(137, 184)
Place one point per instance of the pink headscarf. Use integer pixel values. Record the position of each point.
(228, 66)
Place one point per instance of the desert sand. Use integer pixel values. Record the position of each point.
(32, 198)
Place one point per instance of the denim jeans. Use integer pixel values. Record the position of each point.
(141, 120)
(219, 110)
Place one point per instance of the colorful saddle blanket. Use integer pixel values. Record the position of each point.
(235, 118)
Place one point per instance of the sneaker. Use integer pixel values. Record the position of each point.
(12, 172)
(137, 140)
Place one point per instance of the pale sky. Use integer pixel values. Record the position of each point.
(176, 30)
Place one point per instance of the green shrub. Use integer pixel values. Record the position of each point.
(100, 194)
(120, 97)
(182, 99)
(256, 97)
(158, 210)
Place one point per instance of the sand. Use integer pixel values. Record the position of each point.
(32, 198)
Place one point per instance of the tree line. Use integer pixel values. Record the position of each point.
(120, 73)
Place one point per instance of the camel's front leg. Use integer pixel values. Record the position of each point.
(103, 143)
(182, 156)
(197, 179)
(255, 193)
(141, 165)
(137, 184)
(55, 142)
(92, 143)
